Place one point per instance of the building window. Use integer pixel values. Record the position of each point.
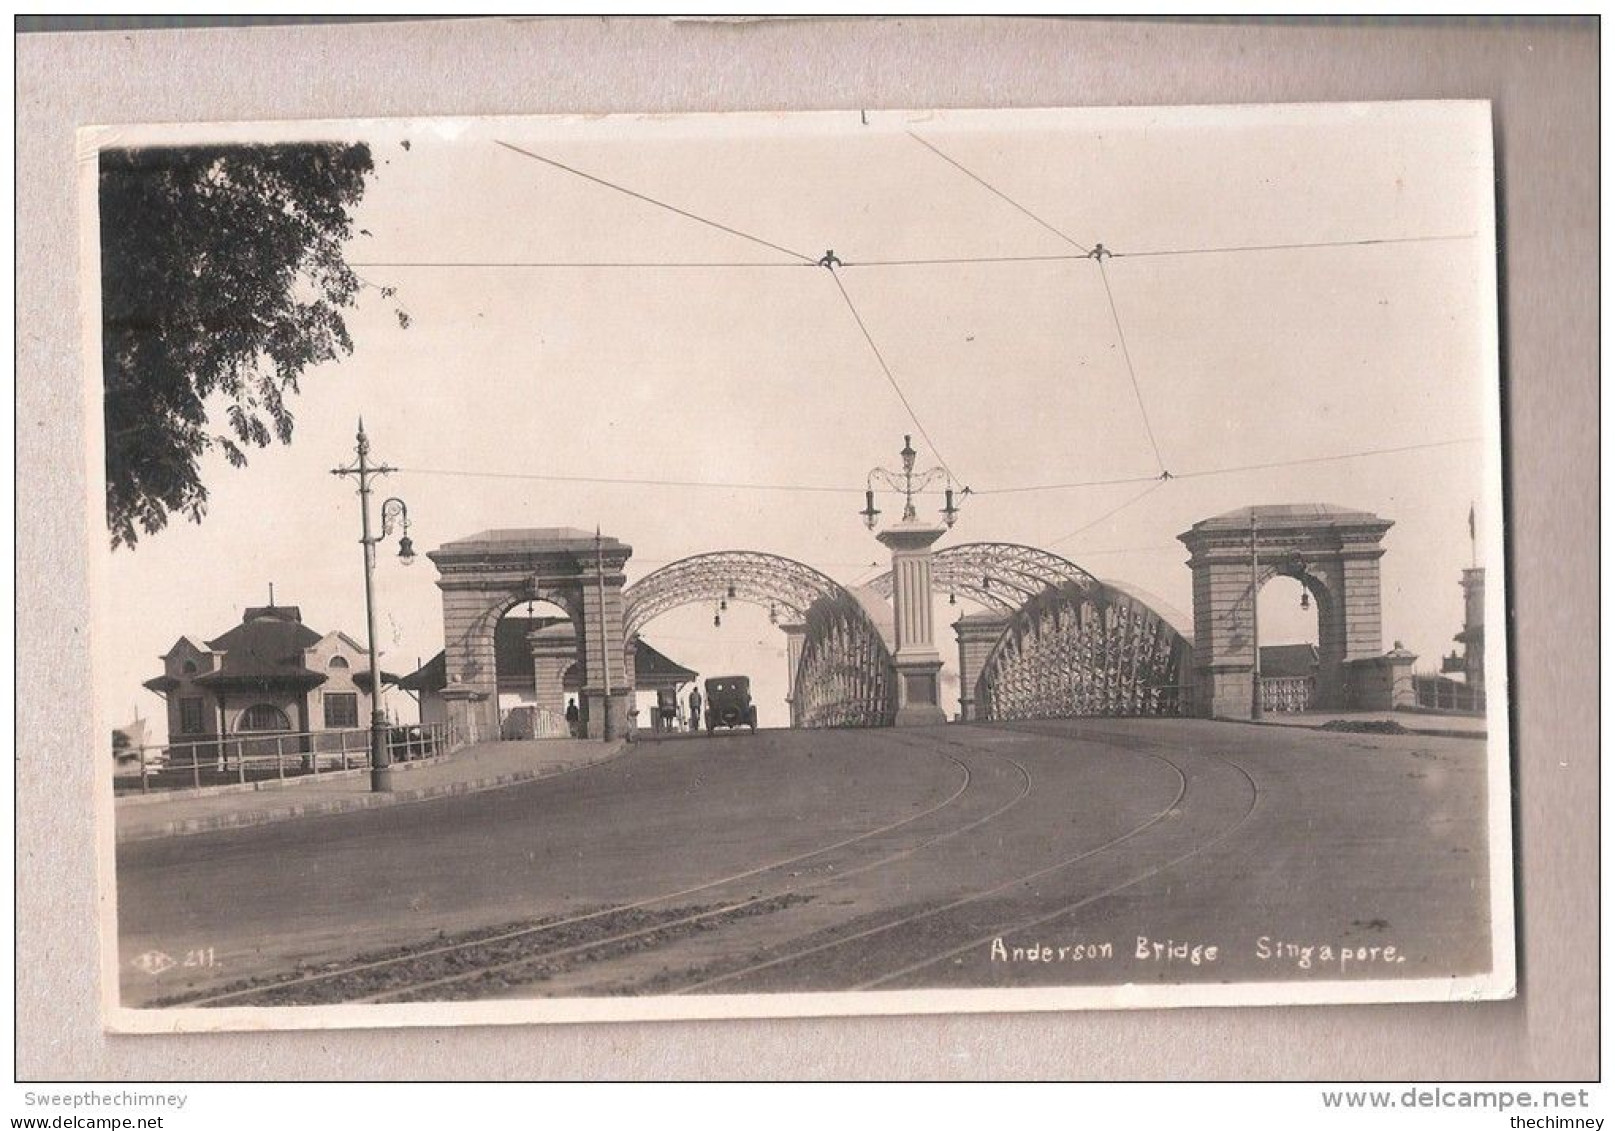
(263, 716)
(341, 709)
(188, 667)
(190, 716)
(338, 662)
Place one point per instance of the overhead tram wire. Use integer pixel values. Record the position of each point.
(538, 477)
(948, 260)
(1020, 490)
(658, 203)
(1290, 246)
(1233, 470)
(1120, 481)
(1327, 459)
(919, 261)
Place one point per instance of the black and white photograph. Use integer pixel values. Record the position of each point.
(629, 567)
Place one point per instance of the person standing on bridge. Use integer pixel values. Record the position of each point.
(695, 709)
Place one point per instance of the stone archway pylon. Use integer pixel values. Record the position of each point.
(1335, 553)
(486, 574)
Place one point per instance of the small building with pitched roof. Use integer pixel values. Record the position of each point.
(269, 674)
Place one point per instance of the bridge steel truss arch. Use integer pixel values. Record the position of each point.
(1085, 650)
(787, 586)
(846, 676)
(1070, 644)
(1001, 576)
(840, 664)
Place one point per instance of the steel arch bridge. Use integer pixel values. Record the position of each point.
(1062, 642)
(841, 667)
(1084, 650)
(1057, 641)
(999, 575)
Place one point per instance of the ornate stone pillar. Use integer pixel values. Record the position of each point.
(1473, 637)
(554, 648)
(466, 707)
(1384, 683)
(470, 615)
(919, 691)
(977, 634)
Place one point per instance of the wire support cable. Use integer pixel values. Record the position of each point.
(1001, 195)
(1112, 512)
(658, 203)
(1127, 356)
(546, 265)
(887, 369)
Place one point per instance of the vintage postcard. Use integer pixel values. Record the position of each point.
(591, 568)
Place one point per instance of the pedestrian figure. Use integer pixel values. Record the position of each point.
(572, 717)
(695, 710)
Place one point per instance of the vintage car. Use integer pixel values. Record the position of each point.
(729, 703)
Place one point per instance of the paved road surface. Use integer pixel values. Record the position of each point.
(847, 859)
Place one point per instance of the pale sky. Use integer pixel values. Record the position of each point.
(759, 374)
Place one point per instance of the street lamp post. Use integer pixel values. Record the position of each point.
(392, 510)
(910, 485)
(916, 658)
(608, 723)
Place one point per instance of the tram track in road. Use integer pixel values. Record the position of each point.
(878, 929)
(1069, 908)
(325, 984)
(1018, 881)
(607, 947)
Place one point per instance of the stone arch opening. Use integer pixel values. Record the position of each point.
(1334, 552)
(485, 576)
(1294, 611)
(536, 643)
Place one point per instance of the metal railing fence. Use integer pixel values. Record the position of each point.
(258, 756)
(1432, 693)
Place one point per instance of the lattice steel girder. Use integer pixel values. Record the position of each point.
(1075, 650)
(845, 675)
(999, 575)
(737, 575)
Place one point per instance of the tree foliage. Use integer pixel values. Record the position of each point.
(222, 280)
